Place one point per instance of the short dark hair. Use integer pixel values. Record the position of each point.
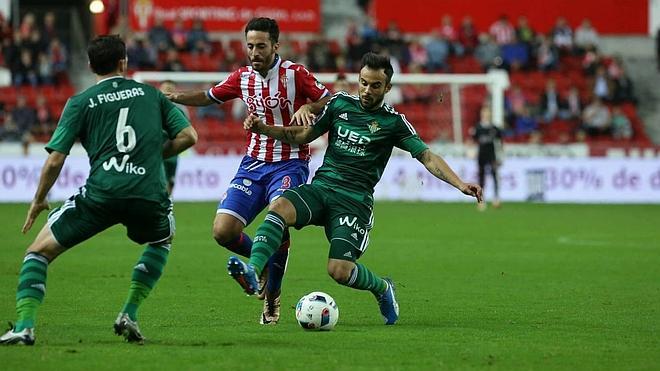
(377, 62)
(265, 25)
(104, 53)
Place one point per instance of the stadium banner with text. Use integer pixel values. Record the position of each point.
(226, 15)
(587, 180)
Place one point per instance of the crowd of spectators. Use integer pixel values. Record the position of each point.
(35, 56)
(33, 53)
(36, 59)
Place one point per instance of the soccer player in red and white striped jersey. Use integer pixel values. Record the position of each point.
(277, 91)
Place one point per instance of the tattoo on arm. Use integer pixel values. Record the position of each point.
(289, 135)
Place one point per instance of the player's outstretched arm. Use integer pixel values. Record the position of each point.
(49, 173)
(438, 167)
(287, 134)
(190, 98)
(185, 139)
(306, 114)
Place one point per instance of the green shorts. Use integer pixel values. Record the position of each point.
(169, 164)
(347, 222)
(80, 218)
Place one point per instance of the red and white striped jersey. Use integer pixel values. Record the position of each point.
(274, 98)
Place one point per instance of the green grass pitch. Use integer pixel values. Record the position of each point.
(529, 286)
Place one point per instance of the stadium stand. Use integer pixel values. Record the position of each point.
(425, 109)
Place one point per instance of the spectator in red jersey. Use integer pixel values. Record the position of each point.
(591, 60)
(502, 31)
(615, 68)
(448, 31)
(44, 125)
(417, 52)
(356, 45)
(179, 35)
(58, 56)
(6, 33)
(28, 24)
(515, 104)
(467, 35)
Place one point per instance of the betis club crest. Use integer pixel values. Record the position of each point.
(374, 127)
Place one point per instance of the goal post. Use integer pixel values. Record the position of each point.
(496, 81)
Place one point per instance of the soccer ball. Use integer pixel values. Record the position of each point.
(317, 311)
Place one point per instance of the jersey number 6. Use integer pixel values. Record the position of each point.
(124, 144)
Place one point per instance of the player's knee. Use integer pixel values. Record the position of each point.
(284, 208)
(48, 249)
(224, 234)
(340, 271)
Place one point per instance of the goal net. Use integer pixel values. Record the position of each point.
(442, 107)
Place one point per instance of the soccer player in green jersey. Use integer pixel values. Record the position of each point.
(119, 123)
(362, 132)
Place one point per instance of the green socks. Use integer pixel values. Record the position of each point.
(31, 289)
(364, 279)
(267, 240)
(32, 283)
(145, 275)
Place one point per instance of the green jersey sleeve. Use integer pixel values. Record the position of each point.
(68, 128)
(173, 118)
(324, 121)
(407, 138)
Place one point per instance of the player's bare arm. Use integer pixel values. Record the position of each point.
(287, 134)
(190, 98)
(306, 114)
(185, 139)
(49, 173)
(437, 166)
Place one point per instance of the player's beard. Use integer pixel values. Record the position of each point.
(372, 103)
(263, 63)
